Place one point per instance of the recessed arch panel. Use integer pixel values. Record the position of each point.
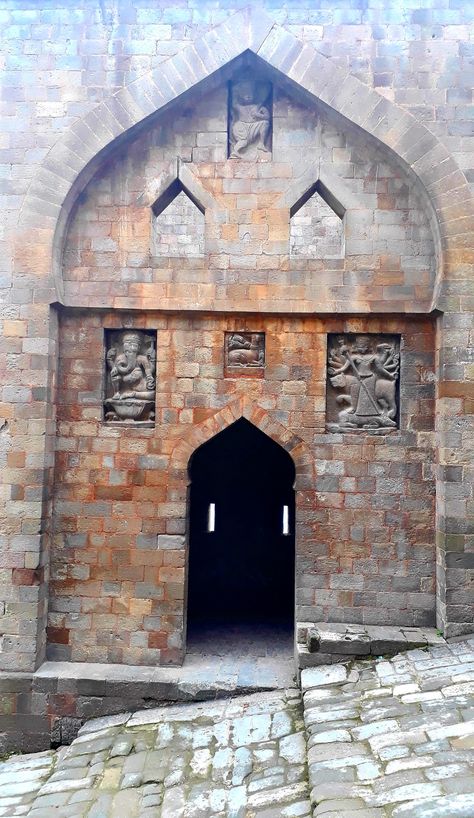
(73, 160)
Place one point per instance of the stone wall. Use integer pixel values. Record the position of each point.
(365, 524)
(113, 252)
(78, 87)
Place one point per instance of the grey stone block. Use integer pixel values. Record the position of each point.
(90, 687)
(25, 723)
(459, 560)
(340, 642)
(15, 682)
(385, 640)
(171, 541)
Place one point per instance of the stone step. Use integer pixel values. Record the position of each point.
(330, 642)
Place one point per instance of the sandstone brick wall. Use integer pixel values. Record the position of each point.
(389, 260)
(60, 65)
(316, 231)
(364, 534)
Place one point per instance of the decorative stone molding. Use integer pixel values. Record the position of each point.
(179, 176)
(317, 226)
(245, 407)
(72, 162)
(315, 177)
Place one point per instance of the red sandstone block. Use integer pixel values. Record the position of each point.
(27, 576)
(101, 605)
(135, 573)
(58, 636)
(148, 558)
(158, 639)
(174, 558)
(113, 493)
(64, 703)
(174, 593)
(171, 656)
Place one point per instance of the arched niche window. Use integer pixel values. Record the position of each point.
(177, 224)
(317, 225)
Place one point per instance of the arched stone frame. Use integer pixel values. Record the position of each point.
(242, 407)
(75, 157)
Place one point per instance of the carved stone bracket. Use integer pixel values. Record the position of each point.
(362, 388)
(131, 385)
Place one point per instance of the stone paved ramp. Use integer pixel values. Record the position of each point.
(383, 739)
(226, 759)
(393, 738)
(20, 779)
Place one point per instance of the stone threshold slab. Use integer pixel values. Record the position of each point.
(50, 705)
(325, 643)
(196, 680)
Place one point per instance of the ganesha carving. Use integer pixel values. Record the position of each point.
(131, 360)
(363, 373)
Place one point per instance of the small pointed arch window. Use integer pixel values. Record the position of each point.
(177, 224)
(317, 227)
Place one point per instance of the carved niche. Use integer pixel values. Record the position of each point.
(362, 389)
(131, 372)
(244, 353)
(250, 120)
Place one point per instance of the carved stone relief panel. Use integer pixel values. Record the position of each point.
(131, 370)
(250, 120)
(244, 353)
(362, 388)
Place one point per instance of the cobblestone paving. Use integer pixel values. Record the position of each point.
(20, 779)
(229, 759)
(384, 739)
(393, 738)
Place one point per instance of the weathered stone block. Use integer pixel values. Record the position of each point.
(341, 643)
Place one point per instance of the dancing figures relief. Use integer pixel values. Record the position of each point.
(363, 372)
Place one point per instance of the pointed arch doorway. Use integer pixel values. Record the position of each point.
(242, 545)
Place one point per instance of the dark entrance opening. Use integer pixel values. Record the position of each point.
(242, 545)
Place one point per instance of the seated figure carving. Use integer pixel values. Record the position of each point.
(250, 120)
(132, 373)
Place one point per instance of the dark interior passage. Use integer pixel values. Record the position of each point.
(241, 558)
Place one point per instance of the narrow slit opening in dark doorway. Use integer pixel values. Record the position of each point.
(242, 541)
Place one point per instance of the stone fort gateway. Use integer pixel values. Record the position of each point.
(238, 337)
